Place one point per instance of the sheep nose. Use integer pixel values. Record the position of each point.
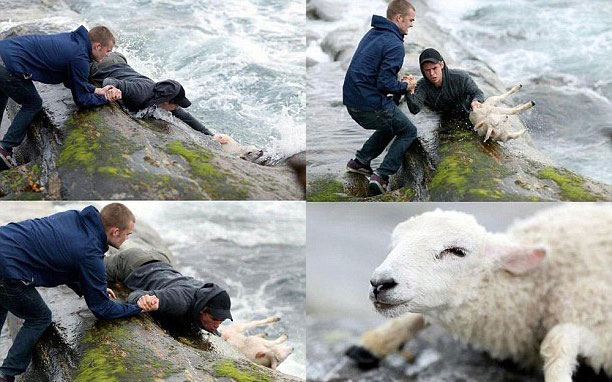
(382, 284)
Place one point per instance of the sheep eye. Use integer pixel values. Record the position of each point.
(454, 251)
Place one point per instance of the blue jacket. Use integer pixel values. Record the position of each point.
(372, 73)
(65, 248)
(53, 59)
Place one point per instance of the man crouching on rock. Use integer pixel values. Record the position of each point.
(185, 304)
(66, 248)
(50, 59)
(370, 78)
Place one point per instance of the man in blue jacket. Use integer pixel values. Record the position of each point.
(370, 78)
(62, 249)
(50, 59)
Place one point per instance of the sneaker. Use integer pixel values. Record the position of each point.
(377, 185)
(6, 162)
(357, 167)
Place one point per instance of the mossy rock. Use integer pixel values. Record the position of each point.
(21, 183)
(326, 189)
(572, 186)
(217, 184)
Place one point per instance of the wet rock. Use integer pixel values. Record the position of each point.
(340, 44)
(78, 347)
(327, 10)
(433, 356)
(104, 153)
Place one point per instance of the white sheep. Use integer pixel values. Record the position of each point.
(539, 294)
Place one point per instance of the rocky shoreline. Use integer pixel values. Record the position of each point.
(448, 162)
(104, 153)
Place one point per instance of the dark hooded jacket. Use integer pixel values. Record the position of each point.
(455, 96)
(180, 297)
(65, 248)
(138, 91)
(54, 59)
(372, 74)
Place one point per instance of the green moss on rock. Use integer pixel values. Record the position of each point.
(92, 145)
(229, 369)
(217, 184)
(571, 185)
(110, 354)
(465, 171)
(326, 189)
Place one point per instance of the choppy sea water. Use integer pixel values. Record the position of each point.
(256, 250)
(559, 50)
(240, 61)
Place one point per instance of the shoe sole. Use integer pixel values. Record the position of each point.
(365, 173)
(376, 188)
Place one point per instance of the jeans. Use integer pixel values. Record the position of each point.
(24, 302)
(24, 93)
(388, 123)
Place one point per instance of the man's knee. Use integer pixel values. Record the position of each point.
(34, 104)
(42, 319)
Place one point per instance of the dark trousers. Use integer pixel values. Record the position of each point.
(388, 123)
(24, 302)
(119, 265)
(24, 93)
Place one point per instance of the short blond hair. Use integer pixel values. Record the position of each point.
(101, 34)
(116, 215)
(399, 7)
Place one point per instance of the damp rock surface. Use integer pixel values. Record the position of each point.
(433, 356)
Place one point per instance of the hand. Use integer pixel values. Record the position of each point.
(476, 104)
(148, 303)
(411, 81)
(111, 294)
(112, 93)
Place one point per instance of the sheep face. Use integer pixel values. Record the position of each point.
(437, 261)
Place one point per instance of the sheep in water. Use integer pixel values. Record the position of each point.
(539, 294)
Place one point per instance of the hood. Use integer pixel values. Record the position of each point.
(202, 297)
(91, 217)
(383, 23)
(165, 91)
(432, 55)
(82, 34)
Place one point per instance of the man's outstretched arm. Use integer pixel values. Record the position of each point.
(189, 119)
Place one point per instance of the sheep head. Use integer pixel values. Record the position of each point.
(439, 259)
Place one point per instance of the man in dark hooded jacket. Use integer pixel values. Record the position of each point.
(184, 302)
(50, 59)
(66, 248)
(370, 78)
(450, 91)
(140, 92)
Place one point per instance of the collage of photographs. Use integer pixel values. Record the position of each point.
(305, 190)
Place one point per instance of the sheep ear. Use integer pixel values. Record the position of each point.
(260, 354)
(478, 126)
(516, 259)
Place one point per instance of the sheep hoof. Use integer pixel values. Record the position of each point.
(364, 359)
(532, 103)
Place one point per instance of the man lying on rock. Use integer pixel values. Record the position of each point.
(185, 304)
(66, 248)
(450, 91)
(50, 59)
(139, 92)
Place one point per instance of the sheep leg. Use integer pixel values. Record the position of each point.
(562, 346)
(258, 323)
(489, 131)
(390, 336)
(497, 99)
(513, 110)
